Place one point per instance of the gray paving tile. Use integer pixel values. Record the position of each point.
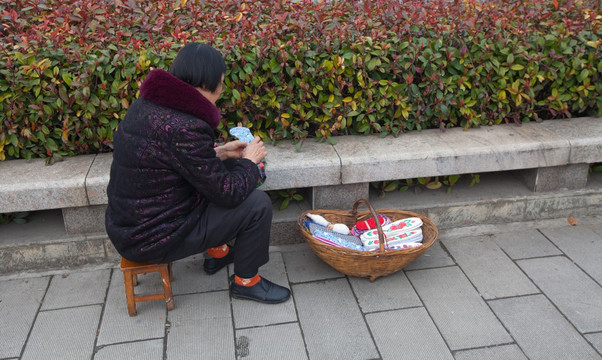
(201, 327)
(575, 294)
(410, 332)
(56, 335)
(489, 269)
(459, 312)
(19, 302)
(90, 287)
(582, 245)
(595, 340)
(540, 330)
(597, 228)
(141, 350)
(503, 352)
(190, 278)
(331, 321)
(118, 326)
(304, 265)
(271, 343)
(251, 313)
(434, 257)
(525, 244)
(385, 293)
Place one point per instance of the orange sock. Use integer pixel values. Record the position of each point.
(247, 282)
(218, 251)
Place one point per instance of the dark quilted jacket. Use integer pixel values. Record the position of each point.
(165, 169)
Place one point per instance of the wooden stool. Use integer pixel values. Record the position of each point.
(131, 270)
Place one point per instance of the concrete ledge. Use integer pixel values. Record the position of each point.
(455, 151)
(584, 136)
(551, 155)
(98, 179)
(315, 164)
(31, 185)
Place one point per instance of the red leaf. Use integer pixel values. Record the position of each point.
(555, 4)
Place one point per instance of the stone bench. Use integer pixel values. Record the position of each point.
(546, 156)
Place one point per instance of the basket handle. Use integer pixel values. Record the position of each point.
(381, 235)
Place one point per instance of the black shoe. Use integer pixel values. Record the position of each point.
(213, 265)
(264, 291)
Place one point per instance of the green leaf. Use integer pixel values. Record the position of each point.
(22, 214)
(275, 68)
(453, 179)
(284, 203)
(47, 110)
(51, 144)
(583, 75)
(67, 79)
(363, 128)
(373, 63)
(392, 186)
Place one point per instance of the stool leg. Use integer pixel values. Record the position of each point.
(135, 279)
(167, 287)
(170, 272)
(128, 278)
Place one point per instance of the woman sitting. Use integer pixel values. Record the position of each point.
(173, 194)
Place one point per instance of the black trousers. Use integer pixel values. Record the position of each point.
(249, 224)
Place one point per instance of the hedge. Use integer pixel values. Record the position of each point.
(301, 69)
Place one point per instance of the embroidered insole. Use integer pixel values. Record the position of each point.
(403, 238)
(393, 229)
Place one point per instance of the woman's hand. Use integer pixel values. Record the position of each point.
(230, 150)
(255, 151)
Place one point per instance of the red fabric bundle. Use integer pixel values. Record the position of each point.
(370, 223)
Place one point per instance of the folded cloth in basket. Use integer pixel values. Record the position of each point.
(393, 229)
(414, 236)
(328, 236)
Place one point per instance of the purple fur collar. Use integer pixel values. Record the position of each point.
(167, 90)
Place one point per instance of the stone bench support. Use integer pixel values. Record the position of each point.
(338, 196)
(571, 177)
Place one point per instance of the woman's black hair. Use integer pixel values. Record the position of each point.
(200, 65)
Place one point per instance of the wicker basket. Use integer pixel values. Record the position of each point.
(370, 264)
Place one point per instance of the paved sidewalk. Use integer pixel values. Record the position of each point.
(528, 293)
